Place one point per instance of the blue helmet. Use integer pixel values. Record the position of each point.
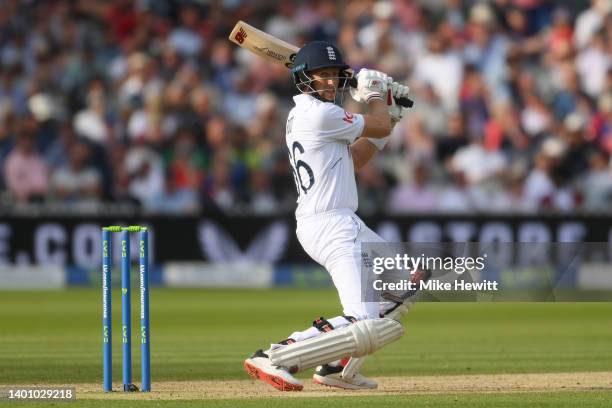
(316, 55)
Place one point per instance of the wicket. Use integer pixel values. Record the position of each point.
(126, 327)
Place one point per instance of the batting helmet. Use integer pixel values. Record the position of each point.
(316, 55)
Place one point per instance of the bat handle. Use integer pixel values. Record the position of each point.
(404, 102)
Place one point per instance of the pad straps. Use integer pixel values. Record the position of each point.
(322, 325)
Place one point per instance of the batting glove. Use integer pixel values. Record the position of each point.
(371, 85)
(395, 90)
(398, 90)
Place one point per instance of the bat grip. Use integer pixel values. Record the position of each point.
(404, 102)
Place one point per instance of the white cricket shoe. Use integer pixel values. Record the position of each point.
(332, 376)
(259, 367)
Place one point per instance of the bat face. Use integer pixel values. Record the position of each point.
(275, 55)
(263, 44)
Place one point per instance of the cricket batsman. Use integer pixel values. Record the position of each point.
(326, 146)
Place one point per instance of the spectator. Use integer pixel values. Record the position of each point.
(91, 122)
(593, 63)
(262, 199)
(541, 190)
(513, 108)
(185, 38)
(185, 163)
(219, 187)
(25, 171)
(417, 196)
(371, 182)
(601, 124)
(77, 181)
(438, 63)
(383, 26)
(487, 50)
(576, 159)
(144, 172)
(598, 183)
(474, 102)
(432, 113)
(590, 21)
(455, 139)
(477, 164)
(458, 197)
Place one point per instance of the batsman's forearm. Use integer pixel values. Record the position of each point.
(362, 151)
(377, 123)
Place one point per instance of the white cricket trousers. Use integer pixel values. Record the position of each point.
(333, 239)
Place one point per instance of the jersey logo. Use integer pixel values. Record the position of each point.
(348, 117)
(331, 54)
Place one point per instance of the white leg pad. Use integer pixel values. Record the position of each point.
(355, 363)
(355, 340)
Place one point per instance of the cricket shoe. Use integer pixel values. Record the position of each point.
(331, 375)
(259, 367)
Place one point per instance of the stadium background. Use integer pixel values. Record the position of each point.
(143, 112)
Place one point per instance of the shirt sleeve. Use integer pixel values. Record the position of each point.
(332, 123)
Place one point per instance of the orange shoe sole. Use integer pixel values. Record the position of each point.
(277, 382)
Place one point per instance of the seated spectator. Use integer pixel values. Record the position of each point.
(371, 189)
(592, 64)
(185, 38)
(218, 185)
(25, 171)
(262, 200)
(455, 138)
(144, 170)
(77, 181)
(597, 188)
(432, 113)
(601, 123)
(91, 122)
(459, 197)
(440, 62)
(186, 163)
(510, 197)
(542, 188)
(57, 154)
(513, 97)
(476, 163)
(576, 158)
(416, 196)
(589, 21)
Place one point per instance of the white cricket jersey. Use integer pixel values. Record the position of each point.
(318, 138)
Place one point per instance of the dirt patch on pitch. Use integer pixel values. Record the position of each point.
(450, 384)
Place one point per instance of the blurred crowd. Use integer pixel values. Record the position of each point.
(147, 103)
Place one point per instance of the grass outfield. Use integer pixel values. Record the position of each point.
(55, 337)
(526, 400)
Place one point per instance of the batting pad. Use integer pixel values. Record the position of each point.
(355, 363)
(355, 340)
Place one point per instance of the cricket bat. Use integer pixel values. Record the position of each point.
(276, 50)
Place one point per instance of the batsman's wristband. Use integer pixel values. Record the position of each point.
(379, 143)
